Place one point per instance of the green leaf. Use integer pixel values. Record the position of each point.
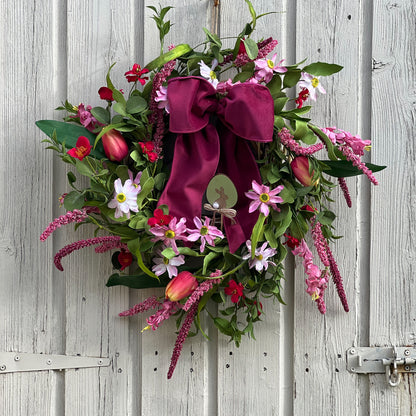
(120, 108)
(136, 281)
(275, 85)
(288, 193)
(251, 48)
(298, 227)
(101, 114)
(177, 52)
(169, 253)
(68, 133)
(224, 326)
(136, 104)
(134, 248)
(326, 217)
(322, 69)
(74, 200)
(243, 76)
(257, 234)
(345, 168)
(279, 104)
(270, 237)
(285, 218)
(83, 168)
(210, 256)
(212, 37)
(71, 178)
(252, 12)
(291, 78)
(147, 188)
(326, 140)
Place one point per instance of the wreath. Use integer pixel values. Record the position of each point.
(204, 175)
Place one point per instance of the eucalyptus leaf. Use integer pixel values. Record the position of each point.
(101, 114)
(136, 104)
(322, 69)
(252, 49)
(74, 200)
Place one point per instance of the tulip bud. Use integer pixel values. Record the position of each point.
(181, 286)
(115, 147)
(300, 168)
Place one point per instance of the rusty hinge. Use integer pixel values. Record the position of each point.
(377, 360)
(12, 362)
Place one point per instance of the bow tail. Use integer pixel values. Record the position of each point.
(195, 161)
(238, 163)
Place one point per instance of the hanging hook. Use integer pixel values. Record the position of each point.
(394, 378)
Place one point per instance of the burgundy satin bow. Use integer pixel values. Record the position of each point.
(202, 150)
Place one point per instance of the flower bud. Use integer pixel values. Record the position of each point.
(300, 168)
(181, 286)
(115, 147)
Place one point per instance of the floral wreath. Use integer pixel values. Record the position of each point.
(202, 186)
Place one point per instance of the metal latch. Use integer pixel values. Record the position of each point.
(12, 362)
(377, 360)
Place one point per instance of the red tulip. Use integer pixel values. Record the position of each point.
(300, 168)
(181, 286)
(115, 147)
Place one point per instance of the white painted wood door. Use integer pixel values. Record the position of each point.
(51, 50)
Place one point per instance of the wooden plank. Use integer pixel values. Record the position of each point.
(249, 376)
(188, 392)
(30, 322)
(393, 253)
(99, 33)
(331, 34)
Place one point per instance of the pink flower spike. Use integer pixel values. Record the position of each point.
(71, 216)
(207, 233)
(263, 198)
(162, 98)
(168, 308)
(183, 333)
(149, 303)
(168, 234)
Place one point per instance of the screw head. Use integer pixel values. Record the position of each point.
(49, 361)
(353, 369)
(100, 362)
(17, 358)
(352, 351)
(407, 367)
(2, 367)
(406, 353)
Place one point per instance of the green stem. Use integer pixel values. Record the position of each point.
(223, 275)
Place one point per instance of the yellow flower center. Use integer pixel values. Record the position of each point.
(367, 148)
(259, 257)
(264, 197)
(315, 296)
(204, 230)
(165, 260)
(270, 63)
(315, 82)
(212, 75)
(121, 197)
(170, 234)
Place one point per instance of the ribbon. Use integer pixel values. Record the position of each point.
(207, 145)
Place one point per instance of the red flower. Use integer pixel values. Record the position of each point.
(181, 286)
(291, 242)
(242, 47)
(159, 218)
(106, 94)
(115, 147)
(303, 96)
(82, 148)
(307, 208)
(235, 290)
(125, 258)
(148, 149)
(135, 74)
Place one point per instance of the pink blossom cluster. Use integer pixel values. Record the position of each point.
(149, 303)
(287, 139)
(70, 217)
(316, 281)
(319, 241)
(86, 118)
(167, 309)
(197, 294)
(342, 137)
(111, 245)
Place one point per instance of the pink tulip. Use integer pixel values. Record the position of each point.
(115, 147)
(181, 286)
(300, 168)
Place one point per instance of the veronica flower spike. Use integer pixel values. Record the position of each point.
(311, 83)
(263, 198)
(125, 198)
(261, 257)
(207, 233)
(209, 73)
